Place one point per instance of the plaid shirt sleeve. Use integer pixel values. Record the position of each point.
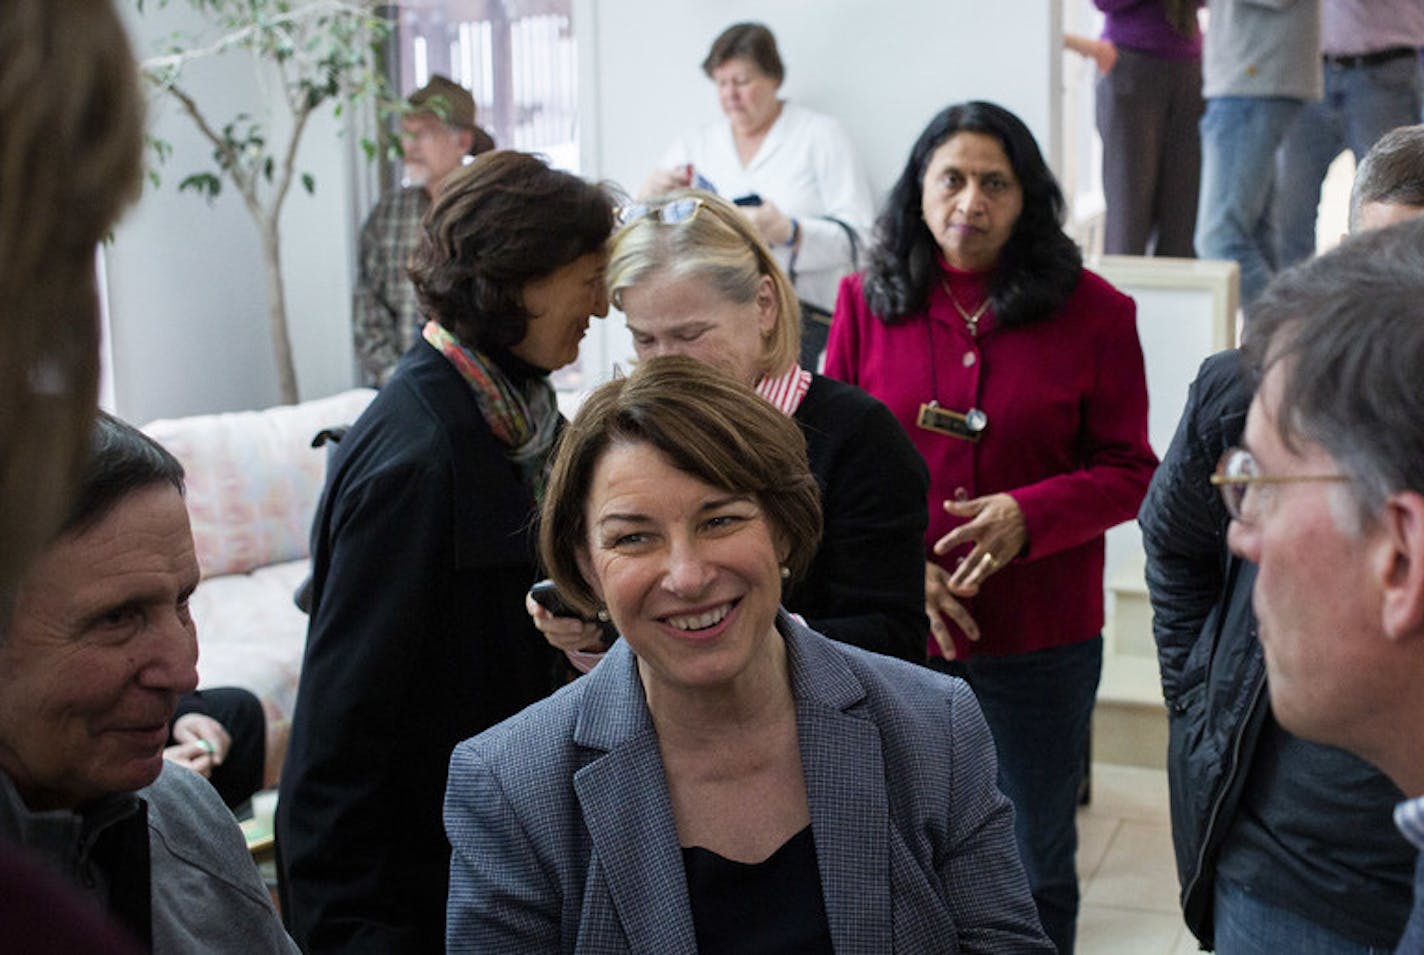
(386, 314)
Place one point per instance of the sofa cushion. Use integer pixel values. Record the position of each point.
(251, 634)
(253, 478)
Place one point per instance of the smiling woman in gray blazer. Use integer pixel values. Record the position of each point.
(727, 779)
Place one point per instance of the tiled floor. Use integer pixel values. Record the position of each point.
(1128, 876)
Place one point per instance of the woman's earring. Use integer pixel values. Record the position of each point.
(603, 614)
(785, 572)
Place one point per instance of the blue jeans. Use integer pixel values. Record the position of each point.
(1039, 707)
(1239, 136)
(1246, 925)
(1361, 104)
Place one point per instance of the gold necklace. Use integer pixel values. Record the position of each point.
(972, 321)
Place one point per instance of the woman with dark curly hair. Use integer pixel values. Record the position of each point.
(422, 550)
(1018, 375)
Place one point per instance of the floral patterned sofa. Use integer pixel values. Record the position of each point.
(253, 480)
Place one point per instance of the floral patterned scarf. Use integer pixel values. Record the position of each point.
(525, 418)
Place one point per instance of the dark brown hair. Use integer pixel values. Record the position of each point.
(1347, 330)
(497, 224)
(706, 424)
(1392, 171)
(750, 41)
(1039, 266)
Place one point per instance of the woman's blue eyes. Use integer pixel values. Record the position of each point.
(639, 538)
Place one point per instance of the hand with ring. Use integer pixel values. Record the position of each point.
(997, 529)
(199, 742)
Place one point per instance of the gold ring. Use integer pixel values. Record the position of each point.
(990, 559)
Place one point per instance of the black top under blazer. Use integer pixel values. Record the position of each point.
(564, 839)
(422, 553)
(866, 586)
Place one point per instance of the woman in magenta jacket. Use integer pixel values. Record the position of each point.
(1018, 375)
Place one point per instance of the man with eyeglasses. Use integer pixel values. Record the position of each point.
(1337, 428)
(1282, 844)
(437, 134)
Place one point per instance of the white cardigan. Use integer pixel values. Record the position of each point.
(808, 167)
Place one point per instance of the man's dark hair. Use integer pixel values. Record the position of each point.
(749, 41)
(1392, 171)
(122, 460)
(1039, 266)
(499, 223)
(1347, 330)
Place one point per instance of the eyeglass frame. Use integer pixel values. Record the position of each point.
(682, 209)
(627, 216)
(1227, 484)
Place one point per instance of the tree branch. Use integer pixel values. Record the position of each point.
(174, 62)
(289, 161)
(245, 185)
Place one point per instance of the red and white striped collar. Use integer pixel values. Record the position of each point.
(785, 391)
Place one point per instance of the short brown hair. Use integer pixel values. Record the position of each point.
(71, 156)
(713, 428)
(749, 41)
(497, 224)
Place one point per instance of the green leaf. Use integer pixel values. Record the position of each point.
(308, 183)
(204, 183)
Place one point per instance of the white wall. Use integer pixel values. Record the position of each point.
(185, 284)
(882, 69)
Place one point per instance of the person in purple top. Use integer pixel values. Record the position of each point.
(1148, 105)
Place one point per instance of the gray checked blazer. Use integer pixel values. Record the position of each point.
(563, 832)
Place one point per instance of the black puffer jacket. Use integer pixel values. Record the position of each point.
(1334, 833)
(1213, 674)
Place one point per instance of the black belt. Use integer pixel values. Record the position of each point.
(1353, 60)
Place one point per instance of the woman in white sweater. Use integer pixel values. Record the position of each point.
(793, 171)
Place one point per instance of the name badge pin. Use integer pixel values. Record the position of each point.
(965, 425)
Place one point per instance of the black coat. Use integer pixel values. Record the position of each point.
(1214, 682)
(1213, 673)
(422, 553)
(866, 586)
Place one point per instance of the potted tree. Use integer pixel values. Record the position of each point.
(313, 55)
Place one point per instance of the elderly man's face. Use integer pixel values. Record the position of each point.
(97, 652)
(433, 149)
(1317, 595)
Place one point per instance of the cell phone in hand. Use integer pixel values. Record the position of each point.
(546, 595)
(750, 199)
